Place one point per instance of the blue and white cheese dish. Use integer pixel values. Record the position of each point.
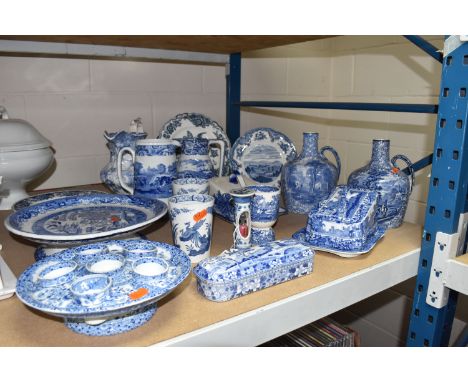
(235, 273)
(344, 223)
(97, 288)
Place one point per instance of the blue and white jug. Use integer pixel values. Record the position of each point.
(194, 161)
(310, 178)
(392, 185)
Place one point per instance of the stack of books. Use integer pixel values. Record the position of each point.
(324, 332)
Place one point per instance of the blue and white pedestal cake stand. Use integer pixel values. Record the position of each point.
(105, 288)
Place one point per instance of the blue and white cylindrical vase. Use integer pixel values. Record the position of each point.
(242, 223)
(262, 236)
(192, 223)
(155, 167)
(264, 206)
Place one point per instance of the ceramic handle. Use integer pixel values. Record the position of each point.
(335, 154)
(222, 145)
(410, 167)
(122, 151)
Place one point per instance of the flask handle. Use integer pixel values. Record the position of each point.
(408, 163)
(335, 154)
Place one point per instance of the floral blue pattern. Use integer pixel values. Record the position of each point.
(235, 273)
(129, 292)
(260, 155)
(260, 236)
(195, 125)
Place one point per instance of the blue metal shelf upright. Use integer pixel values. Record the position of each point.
(448, 193)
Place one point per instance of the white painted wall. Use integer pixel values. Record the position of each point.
(72, 102)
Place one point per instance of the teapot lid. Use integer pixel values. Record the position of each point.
(19, 135)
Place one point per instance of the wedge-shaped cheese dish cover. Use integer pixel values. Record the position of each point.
(236, 272)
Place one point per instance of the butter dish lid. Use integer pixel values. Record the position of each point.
(345, 205)
(235, 264)
(19, 135)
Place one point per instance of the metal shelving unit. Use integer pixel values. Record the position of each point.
(440, 276)
(441, 273)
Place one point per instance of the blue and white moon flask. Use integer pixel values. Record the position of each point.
(242, 231)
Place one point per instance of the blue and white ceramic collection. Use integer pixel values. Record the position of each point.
(310, 178)
(192, 222)
(155, 167)
(242, 220)
(235, 273)
(261, 236)
(195, 125)
(183, 186)
(72, 219)
(194, 161)
(345, 222)
(392, 185)
(264, 206)
(260, 154)
(115, 142)
(85, 298)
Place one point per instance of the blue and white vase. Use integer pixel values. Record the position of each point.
(195, 162)
(310, 178)
(392, 185)
(242, 217)
(116, 142)
(192, 222)
(155, 166)
(261, 236)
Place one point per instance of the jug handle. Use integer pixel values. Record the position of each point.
(122, 151)
(410, 167)
(222, 145)
(335, 154)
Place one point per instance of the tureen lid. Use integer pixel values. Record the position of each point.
(19, 135)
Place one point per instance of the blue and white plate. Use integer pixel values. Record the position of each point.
(148, 272)
(259, 155)
(45, 197)
(337, 250)
(75, 218)
(195, 125)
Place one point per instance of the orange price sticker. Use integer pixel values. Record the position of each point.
(139, 293)
(200, 215)
(395, 170)
(115, 219)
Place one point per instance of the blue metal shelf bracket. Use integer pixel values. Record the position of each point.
(426, 46)
(233, 92)
(447, 199)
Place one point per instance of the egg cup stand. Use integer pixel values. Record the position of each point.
(44, 250)
(112, 325)
(7, 280)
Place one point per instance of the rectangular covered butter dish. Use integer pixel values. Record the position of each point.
(236, 272)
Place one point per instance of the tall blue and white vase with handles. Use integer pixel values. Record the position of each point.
(192, 223)
(155, 165)
(195, 162)
(311, 177)
(393, 186)
(116, 142)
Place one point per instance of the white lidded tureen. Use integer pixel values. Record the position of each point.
(24, 155)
